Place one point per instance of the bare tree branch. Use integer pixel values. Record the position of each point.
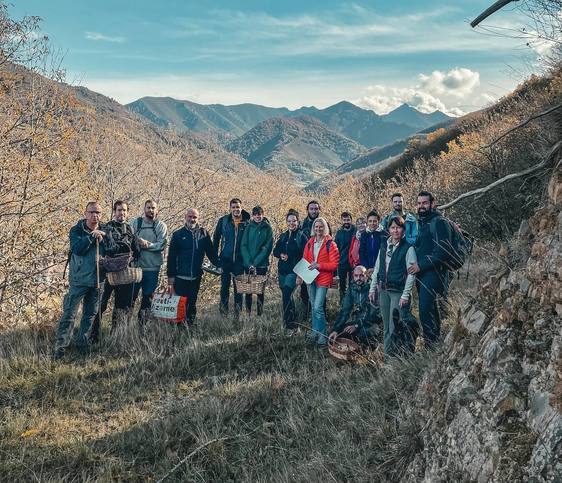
(520, 125)
(509, 177)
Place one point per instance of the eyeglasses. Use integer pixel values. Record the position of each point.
(94, 212)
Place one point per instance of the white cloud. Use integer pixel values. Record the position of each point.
(437, 91)
(104, 38)
(458, 82)
(383, 99)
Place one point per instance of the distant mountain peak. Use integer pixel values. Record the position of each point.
(406, 114)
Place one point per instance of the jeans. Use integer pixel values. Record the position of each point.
(89, 297)
(317, 298)
(260, 297)
(344, 275)
(230, 270)
(430, 285)
(189, 289)
(389, 303)
(123, 295)
(287, 284)
(149, 284)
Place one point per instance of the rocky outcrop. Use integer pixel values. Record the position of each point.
(491, 410)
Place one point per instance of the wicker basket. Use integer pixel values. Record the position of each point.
(126, 276)
(250, 284)
(343, 349)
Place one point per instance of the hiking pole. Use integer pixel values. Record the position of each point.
(98, 285)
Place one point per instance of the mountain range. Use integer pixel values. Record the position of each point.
(224, 123)
(302, 145)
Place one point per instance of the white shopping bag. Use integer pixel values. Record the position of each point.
(169, 308)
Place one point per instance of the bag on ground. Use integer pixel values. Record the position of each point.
(169, 308)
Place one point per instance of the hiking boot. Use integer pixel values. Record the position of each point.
(58, 354)
(84, 350)
(322, 340)
(311, 339)
(290, 332)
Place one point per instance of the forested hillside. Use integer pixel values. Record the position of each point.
(236, 400)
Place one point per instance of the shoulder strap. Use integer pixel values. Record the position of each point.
(68, 257)
(139, 224)
(224, 224)
(328, 245)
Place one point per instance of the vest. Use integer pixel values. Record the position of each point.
(395, 277)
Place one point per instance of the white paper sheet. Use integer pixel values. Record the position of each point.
(302, 270)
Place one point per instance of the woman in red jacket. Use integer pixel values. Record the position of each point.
(323, 255)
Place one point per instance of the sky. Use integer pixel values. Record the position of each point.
(377, 54)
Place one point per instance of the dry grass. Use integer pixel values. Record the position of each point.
(137, 406)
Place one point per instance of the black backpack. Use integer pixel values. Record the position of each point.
(459, 247)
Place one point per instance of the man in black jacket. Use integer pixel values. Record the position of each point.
(227, 240)
(431, 270)
(126, 242)
(188, 248)
(344, 236)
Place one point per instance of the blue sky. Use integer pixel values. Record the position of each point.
(375, 53)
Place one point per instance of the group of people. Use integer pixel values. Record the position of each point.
(377, 261)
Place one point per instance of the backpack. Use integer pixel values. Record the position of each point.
(459, 247)
(139, 226)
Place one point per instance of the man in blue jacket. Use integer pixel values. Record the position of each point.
(431, 270)
(227, 240)
(188, 248)
(88, 241)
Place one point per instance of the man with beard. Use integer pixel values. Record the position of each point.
(431, 270)
(312, 212)
(188, 247)
(126, 242)
(358, 318)
(152, 236)
(411, 223)
(88, 240)
(227, 241)
(344, 237)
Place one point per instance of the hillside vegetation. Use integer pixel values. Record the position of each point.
(301, 146)
(239, 402)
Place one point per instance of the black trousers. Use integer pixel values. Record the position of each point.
(260, 297)
(123, 300)
(430, 286)
(230, 270)
(305, 300)
(344, 275)
(189, 289)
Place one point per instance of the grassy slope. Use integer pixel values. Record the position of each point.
(138, 406)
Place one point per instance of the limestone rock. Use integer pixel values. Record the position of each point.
(494, 413)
